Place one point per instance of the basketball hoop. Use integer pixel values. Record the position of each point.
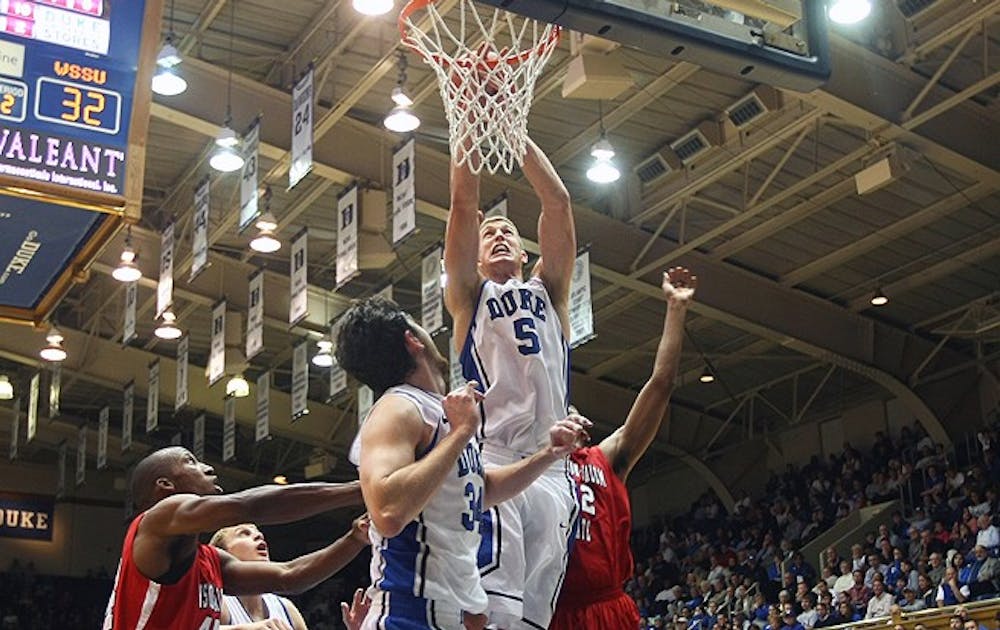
(486, 64)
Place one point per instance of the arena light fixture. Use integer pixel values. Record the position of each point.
(880, 298)
(226, 158)
(166, 81)
(265, 241)
(707, 376)
(281, 480)
(6, 389)
(54, 351)
(604, 170)
(168, 327)
(401, 119)
(372, 7)
(237, 387)
(849, 11)
(324, 358)
(127, 270)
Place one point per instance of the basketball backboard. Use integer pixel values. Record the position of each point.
(783, 43)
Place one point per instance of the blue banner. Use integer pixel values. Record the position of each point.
(37, 241)
(26, 516)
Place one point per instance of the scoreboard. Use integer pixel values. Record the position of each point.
(74, 110)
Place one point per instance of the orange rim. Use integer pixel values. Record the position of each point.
(415, 5)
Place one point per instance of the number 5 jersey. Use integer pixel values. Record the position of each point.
(516, 350)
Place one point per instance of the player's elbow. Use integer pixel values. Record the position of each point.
(388, 522)
(662, 383)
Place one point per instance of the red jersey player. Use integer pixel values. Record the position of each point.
(592, 597)
(166, 579)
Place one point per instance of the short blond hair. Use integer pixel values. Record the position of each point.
(219, 537)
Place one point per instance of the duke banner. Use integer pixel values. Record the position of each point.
(128, 327)
(102, 438)
(404, 197)
(165, 287)
(128, 411)
(61, 471)
(181, 397)
(581, 310)
(26, 515)
(347, 235)
(248, 176)
(153, 397)
(33, 407)
(300, 380)
(302, 129)
(262, 430)
(217, 345)
(338, 376)
(229, 429)
(431, 309)
(15, 429)
(298, 303)
(81, 456)
(198, 442)
(199, 244)
(55, 390)
(455, 378)
(255, 315)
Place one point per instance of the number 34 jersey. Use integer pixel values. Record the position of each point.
(434, 557)
(516, 350)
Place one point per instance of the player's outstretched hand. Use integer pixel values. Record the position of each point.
(359, 528)
(569, 434)
(268, 624)
(355, 614)
(461, 408)
(679, 284)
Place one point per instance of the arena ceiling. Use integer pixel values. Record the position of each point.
(788, 253)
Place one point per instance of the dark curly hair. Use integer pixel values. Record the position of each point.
(371, 343)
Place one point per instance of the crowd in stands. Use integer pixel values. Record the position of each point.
(30, 600)
(711, 570)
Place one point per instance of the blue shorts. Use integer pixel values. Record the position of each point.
(397, 611)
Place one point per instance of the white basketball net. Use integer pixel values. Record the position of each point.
(486, 63)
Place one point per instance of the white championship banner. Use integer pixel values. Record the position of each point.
(165, 287)
(298, 302)
(15, 429)
(404, 196)
(262, 430)
(338, 375)
(102, 438)
(198, 440)
(153, 398)
(384, 292)
(128, 413)
(248, 177)
(366, 398)
(61, 472)
(217, 345)
(302, 129)
(181, 395)
(128, 325)
(33, 388)
(581, 309)
(300, 380)
(55, 390)
(229, 429)
(255, 315)
(455, 378)
(347, 235)
(81, 456)
(431, 306)
(199, 241)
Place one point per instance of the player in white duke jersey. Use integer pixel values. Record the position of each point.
(421, 473)
(512, 334)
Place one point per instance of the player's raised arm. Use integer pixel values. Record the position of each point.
(556, 230)
(461, 248)
(624, 447)
(294, 576)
